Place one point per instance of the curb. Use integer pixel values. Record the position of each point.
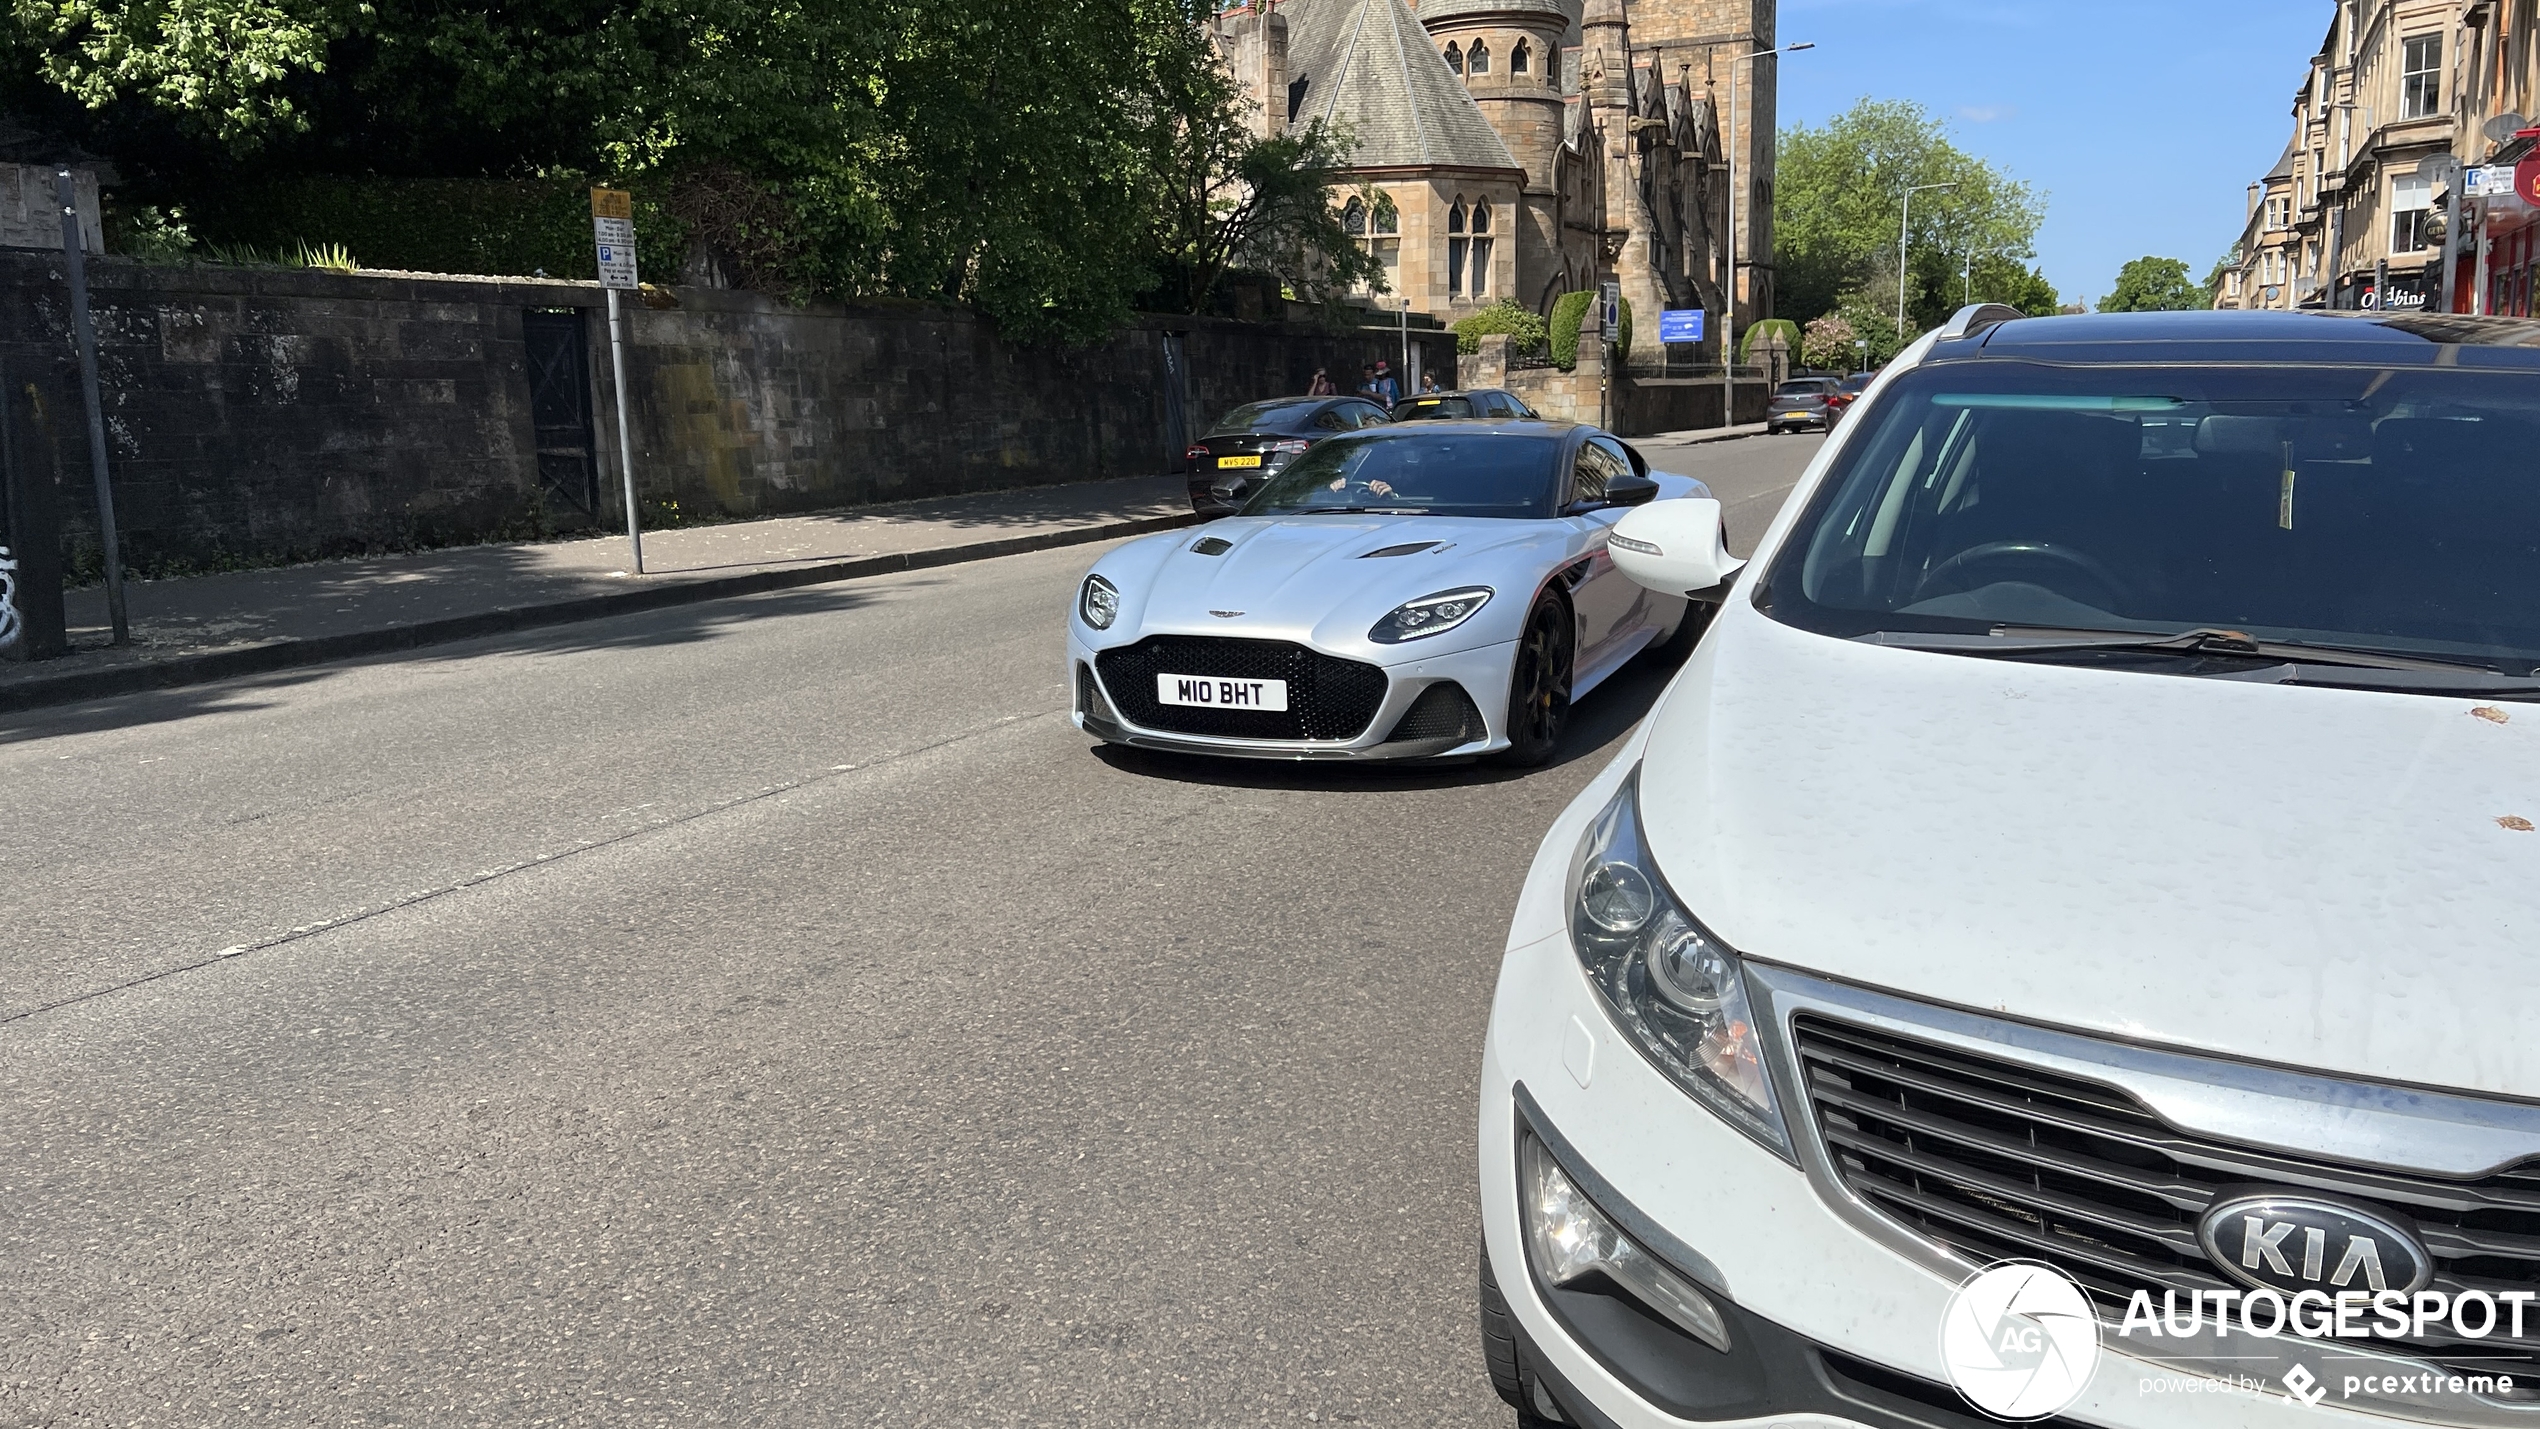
(289, 654)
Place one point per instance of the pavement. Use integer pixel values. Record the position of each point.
(762, 1011)
(219, 626)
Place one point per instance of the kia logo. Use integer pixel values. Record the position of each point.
(2285, 1241)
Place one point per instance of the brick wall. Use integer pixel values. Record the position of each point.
(259, 415)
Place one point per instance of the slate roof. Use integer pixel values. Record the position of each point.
(2283, 167)
(1369, 64)
(1449, 9)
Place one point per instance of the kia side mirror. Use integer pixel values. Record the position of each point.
(1630, 491)
(1675, 547)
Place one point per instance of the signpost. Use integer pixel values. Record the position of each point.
(613, 234)
(84, 332)
(1609, 311)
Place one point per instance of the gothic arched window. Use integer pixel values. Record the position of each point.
(1457, 247)
(1520, 61)
(1454, 58)
(1477, 261)
(1354, 218)
(1477, 61)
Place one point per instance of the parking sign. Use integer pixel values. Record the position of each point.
(613, 234)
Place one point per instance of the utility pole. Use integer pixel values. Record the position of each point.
(75, 257)
(1728, 297)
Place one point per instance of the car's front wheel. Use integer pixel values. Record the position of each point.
(1539, 685)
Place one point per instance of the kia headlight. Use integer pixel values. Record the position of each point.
(1672, 986)
(1099, 603)
(1430, 615)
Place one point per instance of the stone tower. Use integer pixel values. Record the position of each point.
(1509, 55)
(1697, 42)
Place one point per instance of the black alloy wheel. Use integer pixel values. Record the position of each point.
(1539, 685)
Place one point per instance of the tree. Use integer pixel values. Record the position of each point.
(1019, 159)
(1828, 344)
(1840, 193)
(2154, 285)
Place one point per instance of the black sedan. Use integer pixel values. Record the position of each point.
(1801, 403)
(1255, 441)
(1472, 402)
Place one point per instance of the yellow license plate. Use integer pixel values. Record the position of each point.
(1227, 461)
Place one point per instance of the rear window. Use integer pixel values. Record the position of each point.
(1437, 408)
(1809, 387)
(2393, 511)
(1261, 417)
(1441, 471)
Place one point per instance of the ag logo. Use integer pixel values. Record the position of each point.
(2290, 1242)
(2019, 1340)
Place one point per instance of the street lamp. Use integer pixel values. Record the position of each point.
(1728, 298)
(1904, 231)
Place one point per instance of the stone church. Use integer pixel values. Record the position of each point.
(1523, 149)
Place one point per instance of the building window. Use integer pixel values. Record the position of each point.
(1477, 61)
(1454, 58)
(2410, 200)
(2421, 77)
(1456, 244)
(1478, 265)
(2279, 213)
(1377, 227)
(1520, 61)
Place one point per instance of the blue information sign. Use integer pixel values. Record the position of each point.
(1680, 325)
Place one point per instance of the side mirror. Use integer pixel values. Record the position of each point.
(1675, 547)
(1630, 491)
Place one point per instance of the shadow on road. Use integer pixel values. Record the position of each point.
(1596, 722)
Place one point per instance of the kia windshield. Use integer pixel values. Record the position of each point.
(2383, 524)
(1472, 472)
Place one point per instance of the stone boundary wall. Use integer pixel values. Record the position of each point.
(1637, 406)
(262, 415)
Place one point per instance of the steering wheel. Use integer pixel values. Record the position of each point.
(1940, 581)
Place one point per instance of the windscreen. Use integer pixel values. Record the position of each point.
(2374, 509)
(1260, 417)
(1438, 472)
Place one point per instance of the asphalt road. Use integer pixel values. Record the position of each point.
(761, 1012)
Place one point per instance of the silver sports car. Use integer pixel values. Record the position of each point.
(1434, 590)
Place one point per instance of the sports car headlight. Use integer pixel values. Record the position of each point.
(1669, 984)
(1430, 615)
(1099, 603)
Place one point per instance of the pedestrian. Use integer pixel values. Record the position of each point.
(1428, 383)
(1385, 388)
(1322, 386)
(1367, 381)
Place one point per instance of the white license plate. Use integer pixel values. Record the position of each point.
(1211, 693)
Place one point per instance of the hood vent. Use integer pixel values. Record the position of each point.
(1413, 549)
(1211, 546)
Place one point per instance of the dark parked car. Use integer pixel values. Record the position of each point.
(1473, 402)
(1255, 441)
(1799, 404)
(1845, 394)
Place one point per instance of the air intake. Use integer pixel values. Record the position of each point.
(1211, 546)
(1413, 549)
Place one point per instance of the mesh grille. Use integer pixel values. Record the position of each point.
(1328, 698)
(1994, 1160)
(1443, 711)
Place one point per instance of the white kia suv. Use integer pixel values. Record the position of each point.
(2096, 832)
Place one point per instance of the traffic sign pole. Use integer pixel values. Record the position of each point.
(613, 235)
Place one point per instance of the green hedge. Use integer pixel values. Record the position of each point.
(508, 228)
(1525, 330)
(1568, 312)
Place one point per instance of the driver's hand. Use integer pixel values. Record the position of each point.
(1380, 488)
(1342, 484)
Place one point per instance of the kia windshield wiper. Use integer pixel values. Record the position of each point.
(2423, 672)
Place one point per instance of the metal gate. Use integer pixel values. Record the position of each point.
(560, 408)
(1177, 422)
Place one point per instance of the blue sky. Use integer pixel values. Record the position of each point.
(2142, 121)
